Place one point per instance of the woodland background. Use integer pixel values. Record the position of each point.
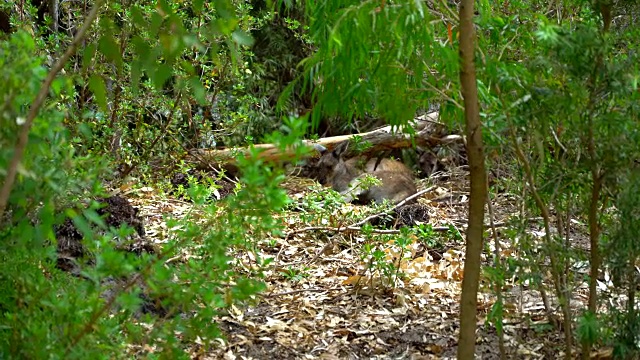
(527, 246)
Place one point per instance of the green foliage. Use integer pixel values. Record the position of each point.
(623, 252)
(71, 317)
(294, 274)
(359, 145)
(437, 240)
(558, 90)
(318, 205)
(570, 105)
(496, 314)
(588, 328)
(39, 303)
(48, 143)
(386, 60)
(96, 311)
(379, 262)
(153, 80)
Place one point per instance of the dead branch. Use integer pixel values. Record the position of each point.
(428, 133)
(356, 226)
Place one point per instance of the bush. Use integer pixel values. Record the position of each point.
(102, 310)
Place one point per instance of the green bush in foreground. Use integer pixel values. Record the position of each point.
(49, 313)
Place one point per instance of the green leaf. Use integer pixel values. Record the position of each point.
(88, 54)
(588, 328)
(109, 47)
(96, 85)
(164, 5)
(130, 300)
(224, 26)
(136, 75)
(138, 18)
(242, 38)
(199, 91)
(85, 130)
(156, 22)
(196, 5)
(81, 224)
(57, 85)
(93, 216)
(163, 72)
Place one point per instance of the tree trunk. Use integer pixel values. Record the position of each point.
(478, 187)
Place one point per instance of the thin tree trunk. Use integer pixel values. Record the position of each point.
(478, 187)
(596, 177)
(497, 262)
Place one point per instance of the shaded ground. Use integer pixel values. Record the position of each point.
(115, 211)
(322, 303)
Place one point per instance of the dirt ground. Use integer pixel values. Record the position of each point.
(322, 303)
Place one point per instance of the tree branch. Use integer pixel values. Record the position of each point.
(23, 136)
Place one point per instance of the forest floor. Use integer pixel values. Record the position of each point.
(323, 301)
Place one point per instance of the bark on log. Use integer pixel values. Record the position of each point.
(429, 132)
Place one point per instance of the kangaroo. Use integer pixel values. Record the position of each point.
(346, 176)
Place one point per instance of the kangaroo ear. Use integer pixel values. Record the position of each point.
(319, 148)
(340, 149)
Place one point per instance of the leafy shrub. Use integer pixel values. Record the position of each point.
(98, 312)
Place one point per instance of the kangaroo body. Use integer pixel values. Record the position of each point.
(346, 177)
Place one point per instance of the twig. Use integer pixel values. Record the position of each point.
(23, 137)
(324, 248)
(419, 193)
(356, 226)
(507, 44)
(442, 93)
(201, 160)
(555, 137)
(162, 133)
(497, 260)
(300, 291)
(498, 224)
(454, 16)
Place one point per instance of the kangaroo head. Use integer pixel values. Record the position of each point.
(336, 172)
(345, 176)
(427, 161)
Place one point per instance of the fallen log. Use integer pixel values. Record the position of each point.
(428, 133)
